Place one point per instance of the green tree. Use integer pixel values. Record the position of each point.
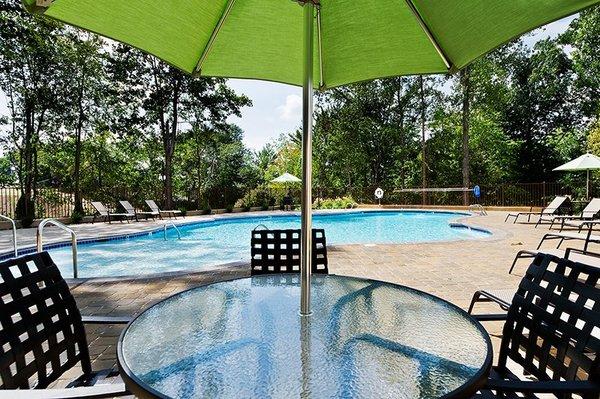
(31, 54)
(165, 97)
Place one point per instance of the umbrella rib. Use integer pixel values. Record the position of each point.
(429, 34)
(320, 43)
(213, 37)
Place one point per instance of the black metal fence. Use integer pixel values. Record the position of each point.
(59, 203)
(519, 194)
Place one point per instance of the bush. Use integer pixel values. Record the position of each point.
(76, 217)
(259, 197)
(337, 203)
(25, 213)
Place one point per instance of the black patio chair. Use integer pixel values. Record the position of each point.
(278, 251)
(552, 331)
(42, 334)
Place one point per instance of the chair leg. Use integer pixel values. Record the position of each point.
(475, 299)
(520, 255)
(514, 262)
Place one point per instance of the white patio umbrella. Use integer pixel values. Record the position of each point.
(585, 162)
(286, 178)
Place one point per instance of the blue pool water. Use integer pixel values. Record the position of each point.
(210, 243)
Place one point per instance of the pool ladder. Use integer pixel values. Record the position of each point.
(175, 227)
(14, 235)
(40, 239)
(478, 208)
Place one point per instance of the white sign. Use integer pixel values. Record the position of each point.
(379, 193)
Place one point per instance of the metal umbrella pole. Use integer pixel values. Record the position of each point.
(306, 206)
(587, 185)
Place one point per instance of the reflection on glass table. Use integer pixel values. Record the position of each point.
(245, 338)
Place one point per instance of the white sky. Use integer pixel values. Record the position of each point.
(277, 108)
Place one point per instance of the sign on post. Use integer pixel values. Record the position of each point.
(477, 191)
(379, 194)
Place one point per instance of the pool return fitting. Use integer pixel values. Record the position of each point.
(40, 239)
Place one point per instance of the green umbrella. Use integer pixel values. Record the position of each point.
(335, 41)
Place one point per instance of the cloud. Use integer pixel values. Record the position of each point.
(292, 109)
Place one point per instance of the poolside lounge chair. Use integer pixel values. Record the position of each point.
(132, 212)
(154, 208)
(42, 334)
(503, 298)
(278, 251)
(551, 332)
(103, 212)
(589, 212)
(565, 236)
(551, 209)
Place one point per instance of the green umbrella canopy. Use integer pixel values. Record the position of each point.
(354, 40)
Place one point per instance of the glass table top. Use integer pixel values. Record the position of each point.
(245, 338)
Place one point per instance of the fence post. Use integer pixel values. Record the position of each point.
(543, 191)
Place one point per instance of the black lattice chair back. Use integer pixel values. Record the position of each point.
(41, 332)
(553, 325)
(278, 251)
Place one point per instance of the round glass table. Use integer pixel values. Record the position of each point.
(245, 339)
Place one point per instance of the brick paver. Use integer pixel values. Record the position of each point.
(450, 270)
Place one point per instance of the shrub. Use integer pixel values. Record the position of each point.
(335, 203)
(258, 197)
(76, 217)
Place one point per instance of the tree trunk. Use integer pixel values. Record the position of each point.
(169, 137)
(77, 172)
(466, 108)
(25, 208)
(423, 142)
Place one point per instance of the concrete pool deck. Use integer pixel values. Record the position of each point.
(451, 270)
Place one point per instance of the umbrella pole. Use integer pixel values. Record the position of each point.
(587, 185)
(306, 207)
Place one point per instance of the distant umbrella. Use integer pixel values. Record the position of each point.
(585, 162)
(286, 178)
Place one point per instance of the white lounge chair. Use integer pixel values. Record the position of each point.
(154, 208)
(587, 237)
(589, 212)
(103, 212)
(551, 209)
(133, 212)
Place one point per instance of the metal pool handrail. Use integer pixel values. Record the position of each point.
(14, 229)
(40, 239)
(175, 227)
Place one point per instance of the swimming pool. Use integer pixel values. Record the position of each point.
(210, 243)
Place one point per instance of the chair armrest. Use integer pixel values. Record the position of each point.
(105, 319)
(95, 392)
(489, 317)
(543, 386)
